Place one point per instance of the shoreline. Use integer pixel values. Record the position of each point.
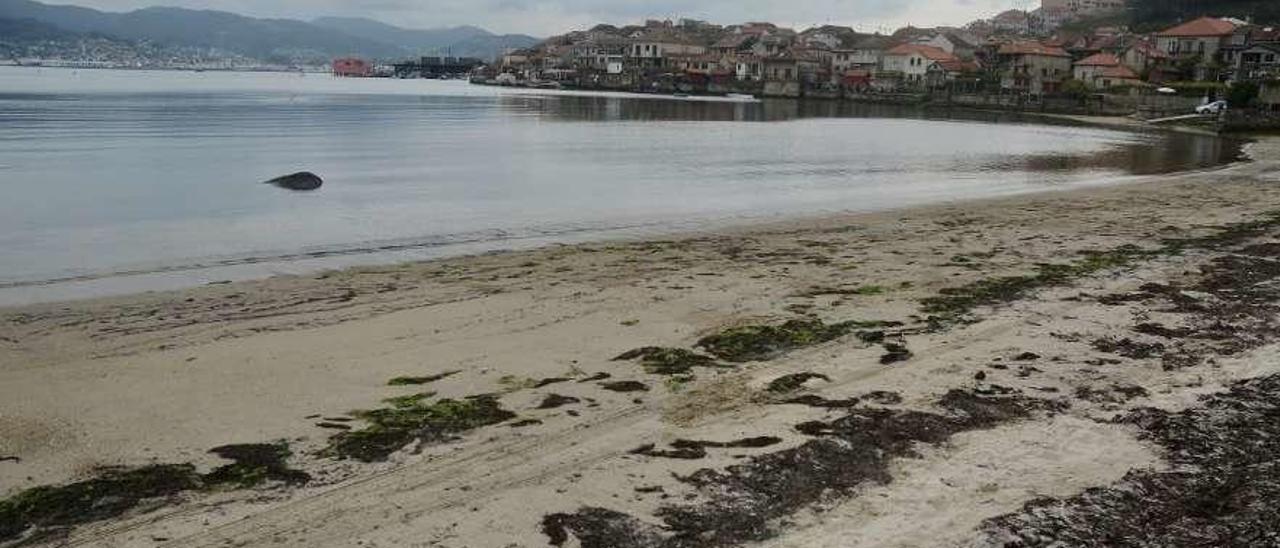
(747, 347)
(304, 263)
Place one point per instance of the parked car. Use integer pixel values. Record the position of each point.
(1215, 107)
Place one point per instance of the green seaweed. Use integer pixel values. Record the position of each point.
(112, 493)
(254, 464)
(393, 428)
(793, 382)
(954, 305)
(669, 361)
(417, 381)
(766, 342)
(411, 400)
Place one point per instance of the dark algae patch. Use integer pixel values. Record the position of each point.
(1223, 488)
(625, 386)
(766, 342)
(412, 420)
(112, 493)
(669, 361)
(115, 491)
(956, 305)
(254, 464)
(697, 449)
(742, 503)
(553, 401)
(794, 382)
(416, 381)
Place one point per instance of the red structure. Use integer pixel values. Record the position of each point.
(352, 67)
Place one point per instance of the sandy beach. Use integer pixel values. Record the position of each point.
(955, 375)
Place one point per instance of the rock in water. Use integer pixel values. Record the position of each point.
(303, 180)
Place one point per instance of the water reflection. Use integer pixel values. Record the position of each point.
(166, 176)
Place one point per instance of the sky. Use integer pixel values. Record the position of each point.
(550, 17)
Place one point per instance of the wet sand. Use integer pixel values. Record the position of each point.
(982, 380)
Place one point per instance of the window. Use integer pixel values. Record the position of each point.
(1271, 58)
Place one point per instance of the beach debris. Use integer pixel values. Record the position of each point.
(415, 381)
(695, 449)
(600, 528)
(550, 381)
(684, 453)
(302, 181)
(14, 460)
(883, 397)
(414, 420)
(1026, 357)
(668, 361)
(1221, 491)
(525, 423)
(1116, 393)
(956, 305)
(625, 386)
(894, 353)
(823, 403)
(254, 464)
(744, 502)
(793, 382)
(110, 494)
(334, 425)
(766, 342)
(113, 491)
(744, 443)
(596, 377)
(553, 401)
(1128, 348)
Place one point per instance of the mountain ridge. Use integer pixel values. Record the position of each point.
(269, 39)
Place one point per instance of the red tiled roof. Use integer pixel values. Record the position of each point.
(1204, 26)
(1032, 48)
(928, 52)
(956, 65)
(1120, 72)
(1099, 60)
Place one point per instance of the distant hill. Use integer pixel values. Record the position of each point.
(1156, 13)
(29, 30)
(465, 41)
(279, 40)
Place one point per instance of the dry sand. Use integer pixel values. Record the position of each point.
(162, 378)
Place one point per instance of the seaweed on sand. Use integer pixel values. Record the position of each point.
(254, 464)
(766, 342)
(394, 428)
(793, 382)
(743, 502)
(1222, 491)
(114, 491)
(955, 305)
(669, 361)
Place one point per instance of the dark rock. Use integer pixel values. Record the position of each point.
(303, 180)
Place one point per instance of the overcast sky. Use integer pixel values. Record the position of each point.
(548, 17)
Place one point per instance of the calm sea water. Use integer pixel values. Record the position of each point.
(119, 180)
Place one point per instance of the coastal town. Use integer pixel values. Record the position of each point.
(1067, 55)
(686, 283)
